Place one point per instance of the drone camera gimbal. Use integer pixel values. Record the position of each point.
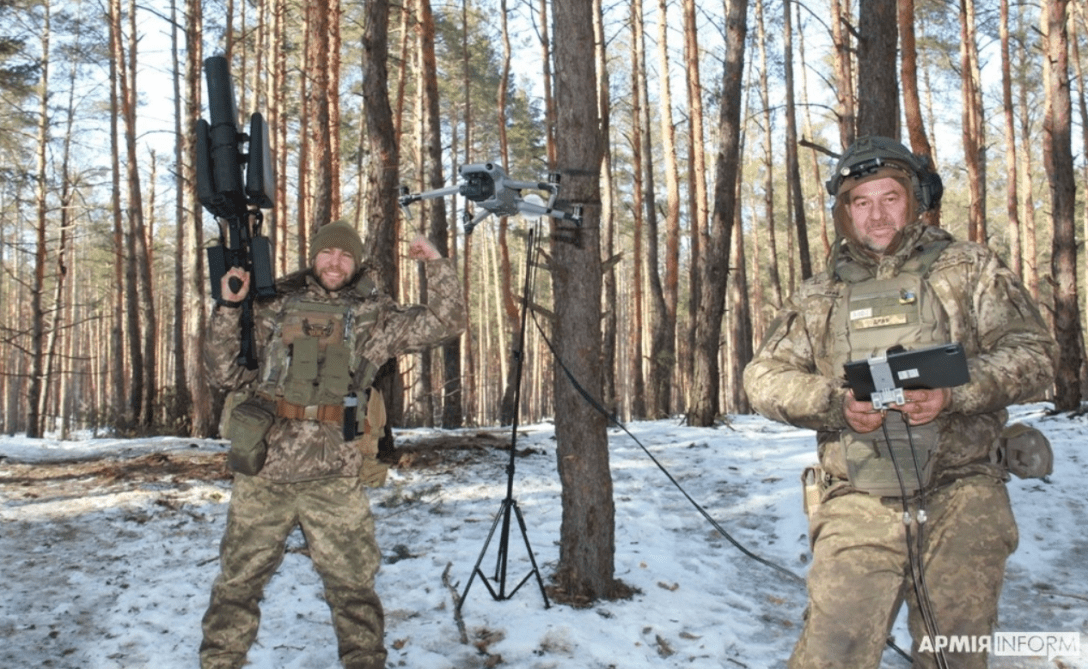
(496, 193)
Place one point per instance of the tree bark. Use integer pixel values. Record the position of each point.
(638, 392)
(793, 164)
(671, 286)
(381, 236)
(697, 194)
(1012, 202)
(661, 362)
(35, 393)
(587, 542)
(716, 267)
(974, 127)
(609, 341)
(318, 117)
(1058, 151)
(878, 85)
(844, 71)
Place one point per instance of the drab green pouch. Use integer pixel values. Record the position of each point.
(298, 388)
(250, 422)
(335, 375)
(872, 459)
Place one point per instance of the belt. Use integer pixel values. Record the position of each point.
(324, 413)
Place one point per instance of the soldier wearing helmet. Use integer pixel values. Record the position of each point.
(878, 537)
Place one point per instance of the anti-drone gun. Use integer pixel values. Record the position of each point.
(494, 192)
(235, 203)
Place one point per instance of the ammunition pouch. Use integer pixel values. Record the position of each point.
(872, 459)
(1024, 451)
(250, 422)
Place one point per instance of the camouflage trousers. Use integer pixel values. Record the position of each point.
(860, 574)
(335, 517)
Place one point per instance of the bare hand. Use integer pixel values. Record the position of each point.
(922, 406)
(861, 416)
(228, 293)
(421, 248)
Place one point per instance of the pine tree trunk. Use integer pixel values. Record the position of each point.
(974, 128)
(587, 535)
(638, 392)
(878, 85)
(610, 323)
(671, 287)
(697, 194)
(1012, 202)
(793, 164)
(716, 266)
(844, 71)
(661, 362)
(768, 222)
(1058, 152)
(35, 392)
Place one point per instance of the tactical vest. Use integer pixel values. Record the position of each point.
(873, 315)
(312, 354)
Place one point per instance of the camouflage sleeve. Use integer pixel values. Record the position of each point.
(783, 382)
(403, 329)
(222, 347)
(1016, 352)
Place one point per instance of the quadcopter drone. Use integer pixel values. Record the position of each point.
(488, 185)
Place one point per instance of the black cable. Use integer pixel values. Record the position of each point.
(600, 408)
(593, 402)
(914, 553)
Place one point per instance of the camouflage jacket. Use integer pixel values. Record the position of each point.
(1010, 351)
(299, 449)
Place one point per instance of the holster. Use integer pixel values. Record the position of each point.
(812, 486)
(250, 422)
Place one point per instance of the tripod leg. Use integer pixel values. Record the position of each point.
(503, 556)
(529, 550)
(475, 569)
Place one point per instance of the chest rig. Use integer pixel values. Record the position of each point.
(875, 313)
(311, 357)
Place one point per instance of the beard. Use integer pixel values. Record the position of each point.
(332, 280)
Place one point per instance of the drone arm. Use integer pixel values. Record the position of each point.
(408, 199)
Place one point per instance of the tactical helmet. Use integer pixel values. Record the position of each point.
(871, 153)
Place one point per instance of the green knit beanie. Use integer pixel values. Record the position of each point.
(340, 235)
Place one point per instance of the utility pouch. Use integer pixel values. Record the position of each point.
(1024, 451)
(250, 422)
(298, 387)
(335, 375)
(872, 459)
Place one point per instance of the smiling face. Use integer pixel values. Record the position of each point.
(878, 211)
(334, 267)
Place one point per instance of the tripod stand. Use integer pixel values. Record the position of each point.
(509, 505)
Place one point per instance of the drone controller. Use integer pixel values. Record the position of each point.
(488, 186)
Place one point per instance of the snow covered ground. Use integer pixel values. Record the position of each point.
(101, 573)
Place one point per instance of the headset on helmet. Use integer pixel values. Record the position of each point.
(870, 153)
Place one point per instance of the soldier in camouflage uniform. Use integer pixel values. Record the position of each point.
(320, 339)
(893, 279)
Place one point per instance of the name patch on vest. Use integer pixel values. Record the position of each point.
(879, 321)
